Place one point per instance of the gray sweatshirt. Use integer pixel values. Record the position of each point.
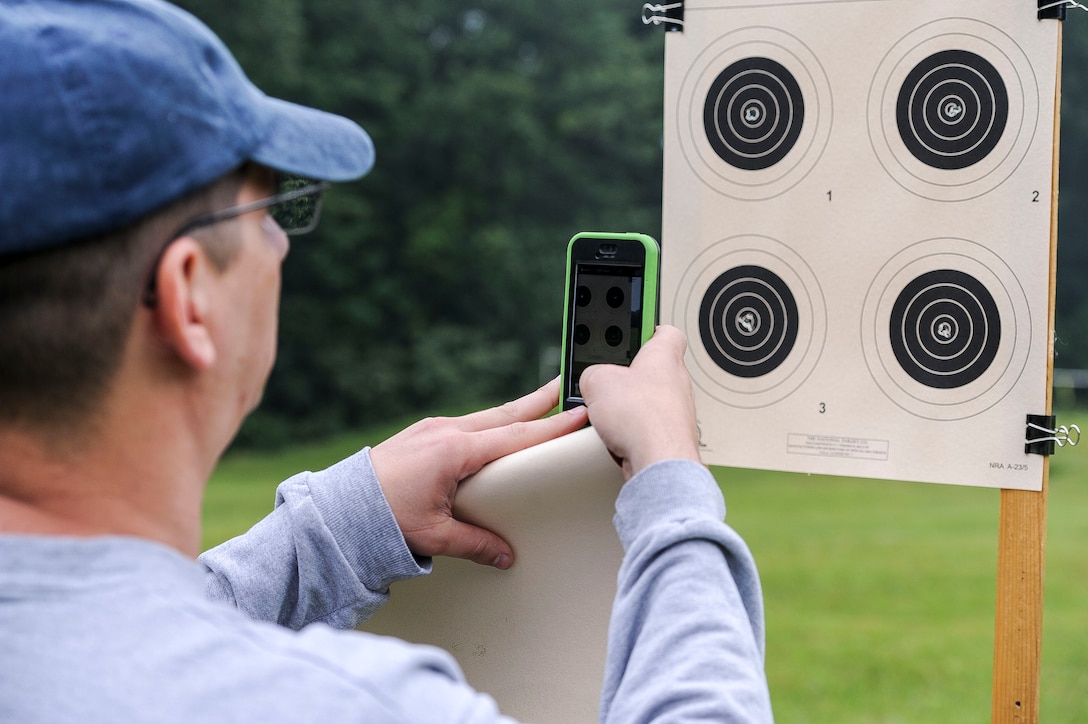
(116, 629)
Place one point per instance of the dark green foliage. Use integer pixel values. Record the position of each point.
(502, 128)
(1071, 323)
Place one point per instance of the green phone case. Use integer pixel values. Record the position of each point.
(650, 296)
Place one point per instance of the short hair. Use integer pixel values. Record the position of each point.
(66, 313)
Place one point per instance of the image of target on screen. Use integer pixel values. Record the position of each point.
(607, 317)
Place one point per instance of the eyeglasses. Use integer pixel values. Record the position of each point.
(295, 207)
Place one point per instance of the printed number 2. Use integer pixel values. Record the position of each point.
(1034, 197)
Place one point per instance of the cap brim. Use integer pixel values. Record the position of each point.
(312, 143)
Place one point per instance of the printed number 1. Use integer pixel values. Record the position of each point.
(829, 195)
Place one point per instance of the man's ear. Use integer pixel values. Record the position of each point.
(184, 300)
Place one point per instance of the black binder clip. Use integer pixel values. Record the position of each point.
(670, 14)
(1052, 9)
(1043, 435)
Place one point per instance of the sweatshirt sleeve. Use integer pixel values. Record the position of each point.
(327, 552)
(686, 639)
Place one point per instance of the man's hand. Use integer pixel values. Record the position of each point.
(646, 412)
(420, 468)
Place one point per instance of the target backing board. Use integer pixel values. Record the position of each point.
(856, 233)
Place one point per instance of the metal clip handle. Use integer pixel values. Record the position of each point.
(1057, 8)
(1063, 435)
(651, 14)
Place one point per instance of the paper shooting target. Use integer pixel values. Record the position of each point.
(755, 113)
(756, 320)
(953, 109)
(946, 329)
(856, 233)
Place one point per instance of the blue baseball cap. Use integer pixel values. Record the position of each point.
(111, 109)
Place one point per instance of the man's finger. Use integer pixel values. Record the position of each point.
(496, 442)
(528, 407)
(590, 375)
(478, 545)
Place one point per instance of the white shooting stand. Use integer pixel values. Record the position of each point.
(533, 637)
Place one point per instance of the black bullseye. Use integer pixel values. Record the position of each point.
(952, 109)
(945, 329)
(753, 113)
(748, 321)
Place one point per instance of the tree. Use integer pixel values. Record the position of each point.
(1071, 323)
(501, 129)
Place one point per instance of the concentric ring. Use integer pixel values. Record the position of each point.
(953, 109)
(755, 317)
(753, 113)
(946, 329)
(748, 321)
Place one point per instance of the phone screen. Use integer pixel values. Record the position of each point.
(606, 317)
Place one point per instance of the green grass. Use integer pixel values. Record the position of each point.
(879, 596)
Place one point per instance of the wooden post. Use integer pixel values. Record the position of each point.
(1021, 549)
(1019, 629)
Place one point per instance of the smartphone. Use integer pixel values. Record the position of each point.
(611, 304)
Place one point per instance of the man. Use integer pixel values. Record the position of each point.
(147, 188)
